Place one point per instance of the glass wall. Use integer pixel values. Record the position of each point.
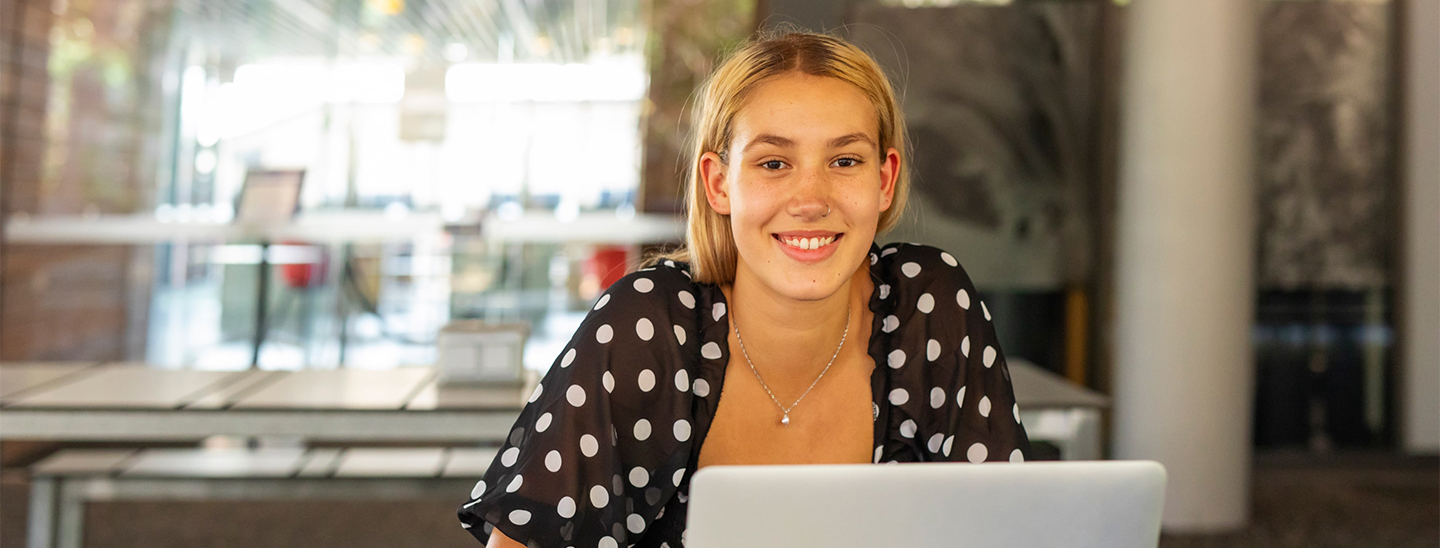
(413, 124)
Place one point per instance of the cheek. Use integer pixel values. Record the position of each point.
(863, 200)
(751, 205)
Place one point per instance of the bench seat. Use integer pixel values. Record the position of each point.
(62, 483)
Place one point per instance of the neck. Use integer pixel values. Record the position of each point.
(786, 337)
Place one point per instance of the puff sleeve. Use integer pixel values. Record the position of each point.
(599, 448)
(954, 400)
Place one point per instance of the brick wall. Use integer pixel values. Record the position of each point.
(24, 86)
(79, 96)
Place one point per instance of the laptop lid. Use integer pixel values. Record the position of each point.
(1091, 504)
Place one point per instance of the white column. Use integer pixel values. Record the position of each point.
(1184, 374)
(1420, 307)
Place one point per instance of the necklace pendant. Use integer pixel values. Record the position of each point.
(785, 421)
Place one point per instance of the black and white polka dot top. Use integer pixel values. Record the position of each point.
(602, 454)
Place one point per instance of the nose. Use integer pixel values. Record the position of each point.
(810, 199)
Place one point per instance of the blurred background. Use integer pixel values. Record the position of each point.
(278, 272)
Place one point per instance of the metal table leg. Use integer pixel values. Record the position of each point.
(69, 532)
(40, 532)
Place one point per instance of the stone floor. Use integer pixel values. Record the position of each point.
(1340, 501)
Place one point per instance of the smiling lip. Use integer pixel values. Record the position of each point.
(826, 241)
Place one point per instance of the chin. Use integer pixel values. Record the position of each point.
(812, 282)
(805, 289)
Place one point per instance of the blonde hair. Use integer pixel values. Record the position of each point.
(709, 244)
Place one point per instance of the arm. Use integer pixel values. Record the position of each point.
(960, 405)
(989, 417)
(499, 540)
(560, 476)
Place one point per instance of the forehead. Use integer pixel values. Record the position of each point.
(804, 108)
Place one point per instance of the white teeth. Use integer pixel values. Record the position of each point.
(810, 243)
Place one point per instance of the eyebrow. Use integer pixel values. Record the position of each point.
(769, 139)
(851, 138)
(782, 142)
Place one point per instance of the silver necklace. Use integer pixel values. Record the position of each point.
(785, 411)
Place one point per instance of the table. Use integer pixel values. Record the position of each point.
(131, 402)
(334, 227)
(63, 483)
(342, 226)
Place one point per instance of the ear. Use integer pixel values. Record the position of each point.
(889, 174)
(717, 188)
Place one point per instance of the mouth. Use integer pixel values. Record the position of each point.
(807, 242)
(808, 245)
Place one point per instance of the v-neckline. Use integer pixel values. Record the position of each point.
(877, 344)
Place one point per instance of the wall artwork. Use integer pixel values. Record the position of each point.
(1325, 178)
(1002, 104)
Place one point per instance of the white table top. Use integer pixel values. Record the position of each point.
(66, 462)
(338, 389)
(270, 462)
(246, 382)
(226, 463)
(16, 378)
(136, 387)
(1037, 388)
(133, 402)
(420, 462)
(126, 386)
(434, 396)
(341, 226)
(352, 226)
(468, 463)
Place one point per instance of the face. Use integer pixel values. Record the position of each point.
(804, 183)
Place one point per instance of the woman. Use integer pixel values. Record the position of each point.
(843, 352)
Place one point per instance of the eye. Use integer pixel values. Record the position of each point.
(847, 162)
(773, 165)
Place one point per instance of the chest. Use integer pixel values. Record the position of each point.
(832, 424)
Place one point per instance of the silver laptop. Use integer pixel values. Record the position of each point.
(1092, 504)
